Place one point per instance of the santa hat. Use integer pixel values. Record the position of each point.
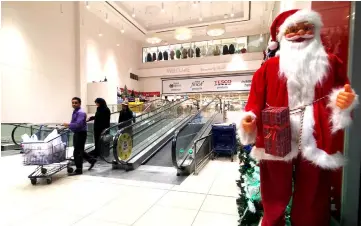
(288, 18)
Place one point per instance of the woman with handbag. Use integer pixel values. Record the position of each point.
(101, 122)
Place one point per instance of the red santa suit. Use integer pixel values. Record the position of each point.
(311, 80)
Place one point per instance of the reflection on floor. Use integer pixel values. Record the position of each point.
(204, 200)
(158, 174)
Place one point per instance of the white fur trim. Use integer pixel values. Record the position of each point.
(301, 16)
(309, 146)
(340, 118)
(247, 138)
(259, 154)
(272, 45)
(322, 159)
(277, 53)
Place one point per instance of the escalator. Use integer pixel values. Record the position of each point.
(12, 132)
(152, 145)
(145, 135)
(191, 144)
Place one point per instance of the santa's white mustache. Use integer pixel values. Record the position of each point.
(306, 36)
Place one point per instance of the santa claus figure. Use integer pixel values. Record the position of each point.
(312, 84)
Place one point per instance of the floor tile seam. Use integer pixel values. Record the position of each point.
(225, 196)
(178, 207)
(130, 185)
(204, 199)
(190, 192)
(154, 204)
(96, 209)
(228, 214)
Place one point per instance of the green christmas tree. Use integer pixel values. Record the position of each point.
(249, 202)
(125, 91)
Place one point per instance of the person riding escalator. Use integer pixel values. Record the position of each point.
(101, 122)
(125, 116)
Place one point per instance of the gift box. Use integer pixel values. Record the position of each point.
(277, 131)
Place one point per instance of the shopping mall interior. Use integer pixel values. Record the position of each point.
(185, 70)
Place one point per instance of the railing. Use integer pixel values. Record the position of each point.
(116, 108)
(179, 158)
(172, 110)
(202, 162)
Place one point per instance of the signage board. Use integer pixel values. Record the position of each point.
(207, 84)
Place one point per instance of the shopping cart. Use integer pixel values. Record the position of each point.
(51, 157)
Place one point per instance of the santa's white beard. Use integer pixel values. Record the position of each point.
(303, 64)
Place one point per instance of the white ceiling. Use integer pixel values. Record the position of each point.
(249, 17)
(184, 13)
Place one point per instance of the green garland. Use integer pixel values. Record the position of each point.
(249, 201)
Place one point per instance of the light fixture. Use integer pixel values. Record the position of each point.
(163, 7)
(216, 30)
(87, 5)
(232, 14)
(133, 14)
(153, 39)
(122, 30)
(225, 16)
(200, 18)
(194, 3)
(106, 18)
(118, 45)
(100, 35)
(183, 33)
(261, 39)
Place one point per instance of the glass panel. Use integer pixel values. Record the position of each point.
(145, 132)
(335, 37)
(185, 138)
(254, 43)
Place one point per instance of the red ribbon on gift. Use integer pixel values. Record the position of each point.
(274, 129)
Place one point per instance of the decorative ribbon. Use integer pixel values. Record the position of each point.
(274, 129)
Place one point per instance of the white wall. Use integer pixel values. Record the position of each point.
(37, 60)
(48, 53)
(100, 56)
(151, 84)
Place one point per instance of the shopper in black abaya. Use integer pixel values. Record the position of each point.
(101, 122)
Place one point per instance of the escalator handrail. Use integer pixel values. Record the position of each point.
(120, 132)
(171, 104)
(134, 124)
(115, 112)
(41, 128)
(175, 137)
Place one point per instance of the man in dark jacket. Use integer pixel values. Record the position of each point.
(101, 122)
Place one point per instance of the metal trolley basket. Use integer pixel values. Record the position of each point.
(49, 157)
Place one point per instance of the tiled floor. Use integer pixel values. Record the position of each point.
(204, 200)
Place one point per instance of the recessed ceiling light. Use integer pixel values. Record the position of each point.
(194, 3)
(216, 30)
(118, 45)
(200, 18)
(100, 34)
(163, 7)
(122, 31)
(106, 18)
(225, 16)
(232, 14)
(87, 5)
